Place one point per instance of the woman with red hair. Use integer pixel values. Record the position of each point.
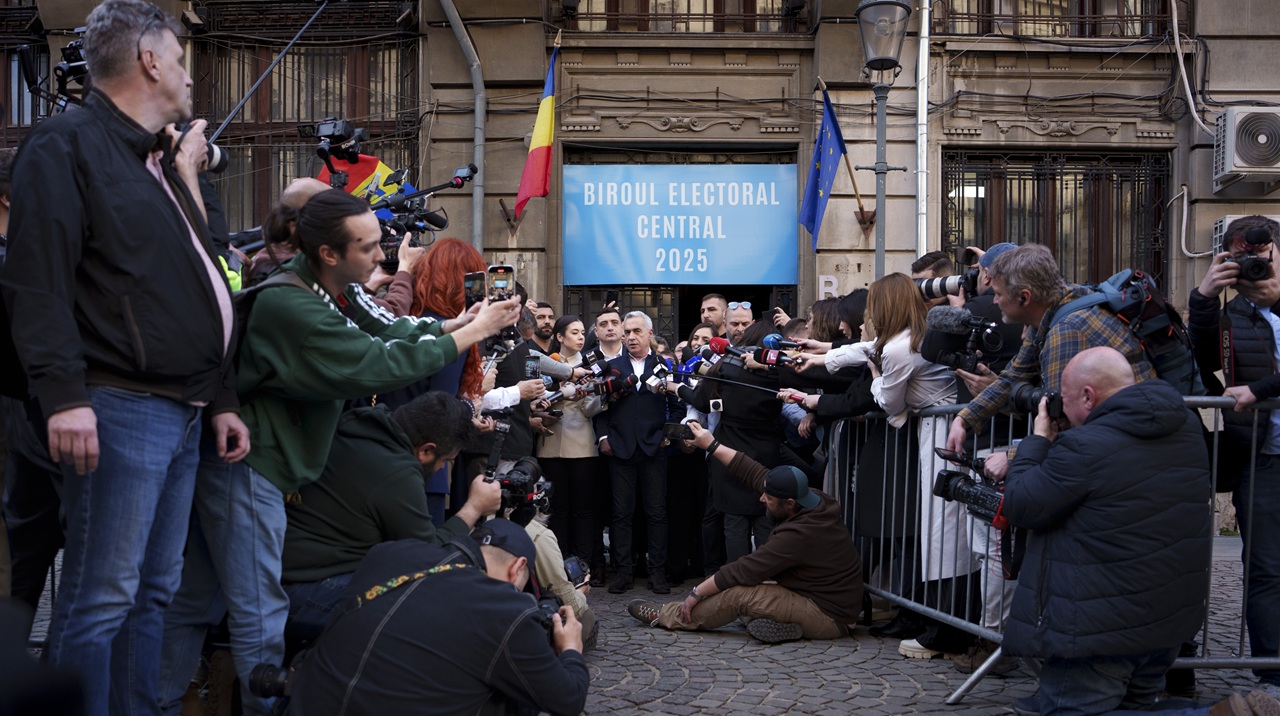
(438, 293)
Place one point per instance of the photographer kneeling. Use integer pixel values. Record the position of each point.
(1115, 577)
(445, 629)
(371, 491)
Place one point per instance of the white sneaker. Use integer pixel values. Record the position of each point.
(913, 649)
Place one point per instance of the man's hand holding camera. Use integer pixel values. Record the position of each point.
(484, 500)
(566, 631)
(1045, 426)
(977, 382)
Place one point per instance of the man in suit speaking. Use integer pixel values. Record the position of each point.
(630, 433)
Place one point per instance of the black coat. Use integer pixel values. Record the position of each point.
(1121, 519)
(748, 424)
(633, 423)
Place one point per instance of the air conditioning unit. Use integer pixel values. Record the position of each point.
(1220, 228)
(1247, 147)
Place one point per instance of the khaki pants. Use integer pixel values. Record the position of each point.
(763, 601)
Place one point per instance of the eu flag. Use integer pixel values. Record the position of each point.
(827, 152)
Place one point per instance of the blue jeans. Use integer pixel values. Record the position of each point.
(1261, 533)
(1102, 684)
(233, 567)
(126, 524)
(312, 603)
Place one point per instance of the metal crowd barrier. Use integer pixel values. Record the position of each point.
(881, 501)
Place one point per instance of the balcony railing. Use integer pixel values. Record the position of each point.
(1053, 18)
(683, 16)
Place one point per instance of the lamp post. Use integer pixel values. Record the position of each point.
(883, 27)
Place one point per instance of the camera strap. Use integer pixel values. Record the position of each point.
(395, 583)
(1227, 349)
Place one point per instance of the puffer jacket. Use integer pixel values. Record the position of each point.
(1120, 518)
(1253, 358)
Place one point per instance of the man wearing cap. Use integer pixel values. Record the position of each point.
(1249, 328)
(445, 629)
(810, 555)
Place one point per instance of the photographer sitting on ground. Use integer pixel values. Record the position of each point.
(809, 555)
(445, 629)
(371, 491)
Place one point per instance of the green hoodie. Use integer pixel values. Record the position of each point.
(301, 359)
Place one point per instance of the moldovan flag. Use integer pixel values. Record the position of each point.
(365, 179)
(536, 179)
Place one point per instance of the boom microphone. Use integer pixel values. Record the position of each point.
(775, 342)
(950, 319)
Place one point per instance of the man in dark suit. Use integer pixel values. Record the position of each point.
(630, 433)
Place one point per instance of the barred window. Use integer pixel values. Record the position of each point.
(1097, 213)
(693, 16)
(1054, 18)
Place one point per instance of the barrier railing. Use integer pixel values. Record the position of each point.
(933, 557)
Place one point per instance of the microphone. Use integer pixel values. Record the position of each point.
(720, 346)
(594, 361)
(950, 319)
(775, 342)
(772, 357)
(552, 367)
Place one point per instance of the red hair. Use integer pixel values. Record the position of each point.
(437, 288)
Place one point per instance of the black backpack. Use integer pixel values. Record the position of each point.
(1135, 299)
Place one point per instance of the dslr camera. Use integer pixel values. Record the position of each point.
(576, 570)
(1024, 398)
(523, 485)
(983, 499)
(932, 288)
(983, 336)
(1252, 268)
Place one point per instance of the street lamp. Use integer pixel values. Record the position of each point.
(883, 27)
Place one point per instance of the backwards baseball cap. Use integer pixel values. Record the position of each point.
(508, 537)
(993, 253)
(789, 482)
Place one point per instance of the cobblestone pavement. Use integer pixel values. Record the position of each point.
(639, 670)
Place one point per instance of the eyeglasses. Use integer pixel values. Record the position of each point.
(156, 19)
(735, 304)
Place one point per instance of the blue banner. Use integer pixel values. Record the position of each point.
(680, 224)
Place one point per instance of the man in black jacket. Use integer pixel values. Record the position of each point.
(630, 433)
(1250, 334)
(1116, 573)
(445, 629)
(123, 322)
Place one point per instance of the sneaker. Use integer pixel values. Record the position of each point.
(658, 582)
(771, 632)
(978, 654)
(645, 611)
(913, 649)
(622, 582)
(1263, 703)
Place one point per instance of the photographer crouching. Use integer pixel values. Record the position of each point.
(1115, 577)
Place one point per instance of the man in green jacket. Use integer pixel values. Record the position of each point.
(371, 491)
(810, 557)
(304, 353)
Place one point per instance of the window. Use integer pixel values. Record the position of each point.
(1098, 214)
(1055, 18)
(354, 63)
(694, 16)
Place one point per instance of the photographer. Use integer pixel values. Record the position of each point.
(1249, 328)
(122, 319)
(445, 629)
(1120, 526)
(371, 491)
(1029, 290)
(810, 557)
(306, 351)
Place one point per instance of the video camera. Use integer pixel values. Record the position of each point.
(73, 67)
(980, 334)
(983, 499)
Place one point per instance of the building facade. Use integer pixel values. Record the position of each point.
(1066, 122)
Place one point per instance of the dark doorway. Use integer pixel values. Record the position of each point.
(690, 303)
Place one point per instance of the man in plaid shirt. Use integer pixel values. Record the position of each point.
(1029, 289)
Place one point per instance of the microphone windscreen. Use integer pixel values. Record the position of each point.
(718, 345)
(949, 319)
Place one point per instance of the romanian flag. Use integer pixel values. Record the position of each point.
(827, 152)
(365, 178)
(536, 179)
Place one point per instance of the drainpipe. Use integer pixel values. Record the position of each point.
(922, 134)
(481, 114)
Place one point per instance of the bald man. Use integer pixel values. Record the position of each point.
(1115, 577)
(301, 189)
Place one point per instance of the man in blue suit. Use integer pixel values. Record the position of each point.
(630, 433)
